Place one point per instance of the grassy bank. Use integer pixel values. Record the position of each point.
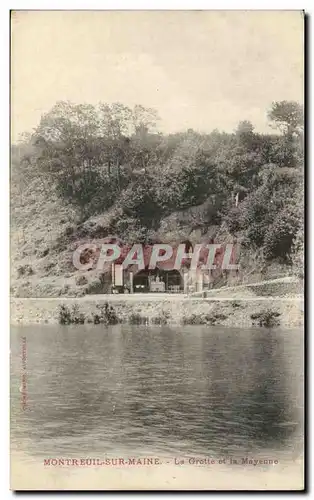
(226, 312)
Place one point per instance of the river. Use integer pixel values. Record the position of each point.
(130, 391)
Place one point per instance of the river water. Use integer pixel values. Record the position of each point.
(95, 391)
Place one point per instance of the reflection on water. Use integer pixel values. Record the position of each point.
(164, 390)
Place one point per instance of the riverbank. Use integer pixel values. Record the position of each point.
(177, 309)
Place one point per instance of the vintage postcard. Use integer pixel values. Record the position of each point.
(157, 199)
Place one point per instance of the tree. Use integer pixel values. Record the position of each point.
(244, 128)
(73, 143)
(68, 151)
(144, 118)
(287, 116)
(281, 234)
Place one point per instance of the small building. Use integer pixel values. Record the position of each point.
(164, 278)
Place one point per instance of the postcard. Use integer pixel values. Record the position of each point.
(157, 240)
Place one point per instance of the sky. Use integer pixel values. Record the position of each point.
(199, 69)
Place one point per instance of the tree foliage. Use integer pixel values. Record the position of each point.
(287, 116)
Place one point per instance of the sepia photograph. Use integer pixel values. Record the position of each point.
(157, 250)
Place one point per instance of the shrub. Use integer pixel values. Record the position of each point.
(88, 193)
(201, 319)
(162, 318)
(137, 319)
(70, 316)
(25, 270)
(43, 253)
(64, 315)
(81, 280)
(96, 319)
(213, 318)
(76, 316)
(49, 266)
(232, 220)
(236, 305)
(194, 319)
(69, 230)
(106, 315)
(281, 234)
(94, 286)
(266, 318)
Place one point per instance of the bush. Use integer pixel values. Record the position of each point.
(236, 305)
(213, 318)
(69, 230)
(266, 318)
(69, 317)
(25, 270)
(137, 319)
(49, 266)
(106, 315)
(43, 253)
(162, 318)
(81, 280)
(194, 319)
(89, 193)
(76, 316)
(281, 234)
(64, 315)
(140, 202)
(204, 319)
(94, 286)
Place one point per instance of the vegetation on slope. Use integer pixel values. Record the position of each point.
(90, 172)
